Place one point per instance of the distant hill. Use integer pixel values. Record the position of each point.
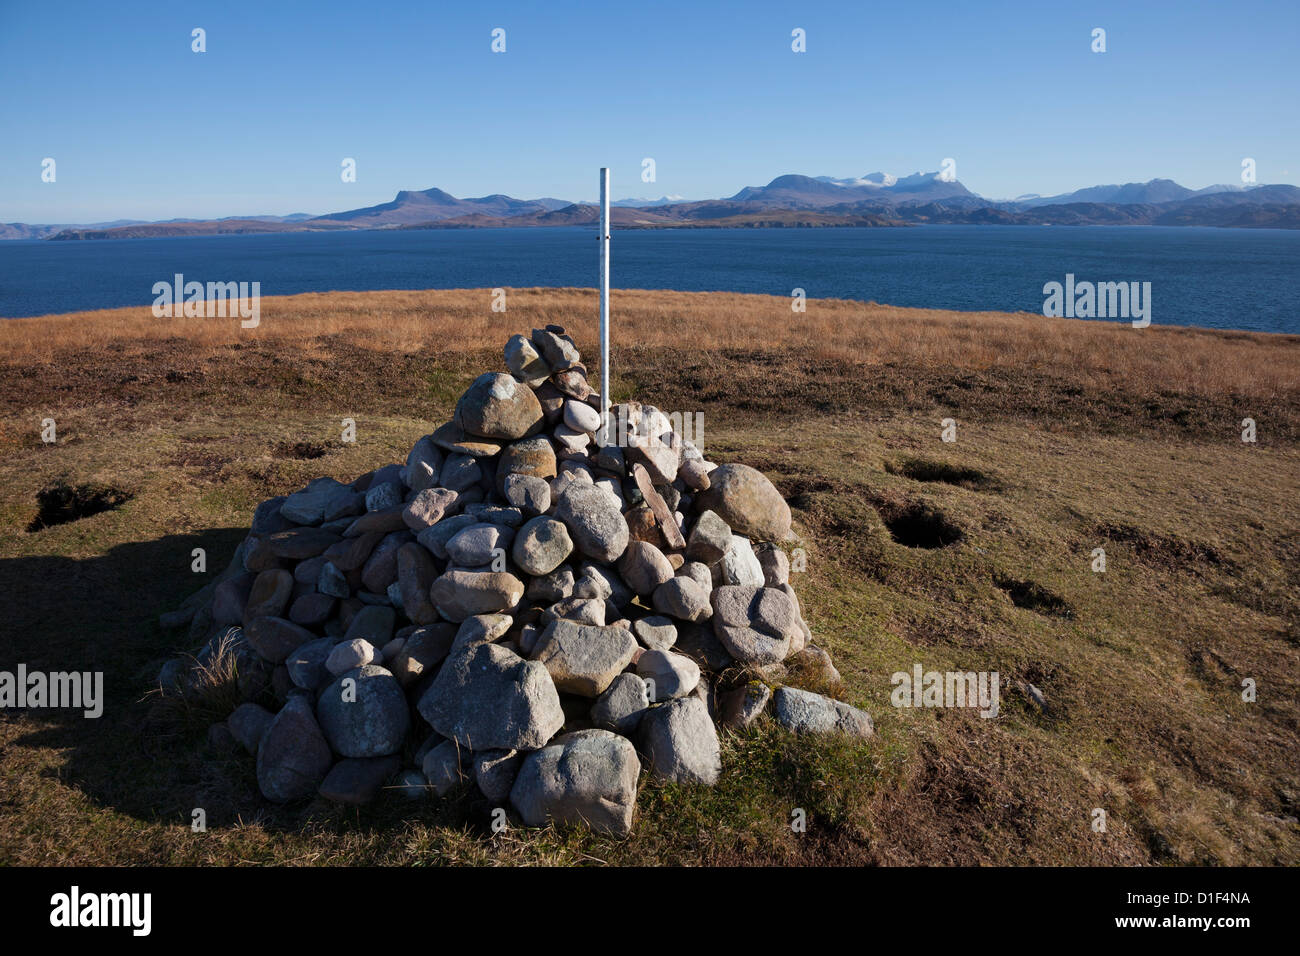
(876, 199)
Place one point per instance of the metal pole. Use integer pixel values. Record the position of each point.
(604, 307)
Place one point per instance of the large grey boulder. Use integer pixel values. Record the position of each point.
(308, 505)
(744, 498)
(622, 705)
(542, 545)
(680, 743)
(363, 713)
(293, 757)
(585, 778)
(459, 594)
(755, 624)
(357, 780)
(805, 712)
(673, 675)
(498, 406)
(489, 698)
(495, 772)
(582, 659)
(594, 520)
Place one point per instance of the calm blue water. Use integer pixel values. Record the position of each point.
(1221, 278)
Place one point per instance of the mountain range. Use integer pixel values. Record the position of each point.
(876, 199)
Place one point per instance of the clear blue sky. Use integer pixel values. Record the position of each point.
(143, 128)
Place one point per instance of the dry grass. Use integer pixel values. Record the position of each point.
(1125, 439)
(1246, 365)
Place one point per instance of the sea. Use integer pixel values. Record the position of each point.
(1214, 278)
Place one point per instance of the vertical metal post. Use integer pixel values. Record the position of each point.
(602, 438)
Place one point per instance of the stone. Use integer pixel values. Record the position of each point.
(622, 704)
(460, 472)
(657, 633)
(477, 544)
(578, 610)
(416, 573)
(558, 352)
(524, 361)
(697, 572)
(274, 638)
(580, 416)
(755, 624)
(596, 581)
(363, 713)
(694, 474)
(571, 441)
(532, 458)
(495, 772)
(347, 655)
(428, 507)
(267, 518)
(382, 521)
(572, 382)
(451, 437)
(742, 707)
(529, 494)
(541, 546)
(442, 768)
(380, 569)
(642, 525)
(312, 609)
(373, 624)
(660, 460)
(683, 599)
(549, 588)
(497, 406)
(333, 582)
(356, 781)
(749, 503)
(709, 539)
(700, 644)
(643, 567)
(481, 629)
(583, 659)
(680, 743)
(248, 723)
(423, 465)
(740, 565)
(345, 506)
(805, 712)
(307, 664)
(585, 778)
(434, 539)
(307, 507)
(293, 756)
(594, 520)
(489, 698)
(776, 567)
(230, 597)
(412, 785)
(674, 675)
(424, 650)
(459, 594)
(552, 402)
(383, 497)
(297, 544)
(269, 596)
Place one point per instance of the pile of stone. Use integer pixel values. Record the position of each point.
(516, 607)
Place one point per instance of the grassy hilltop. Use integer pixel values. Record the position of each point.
(1070, 436)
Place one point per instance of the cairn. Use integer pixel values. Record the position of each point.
(516, 607)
